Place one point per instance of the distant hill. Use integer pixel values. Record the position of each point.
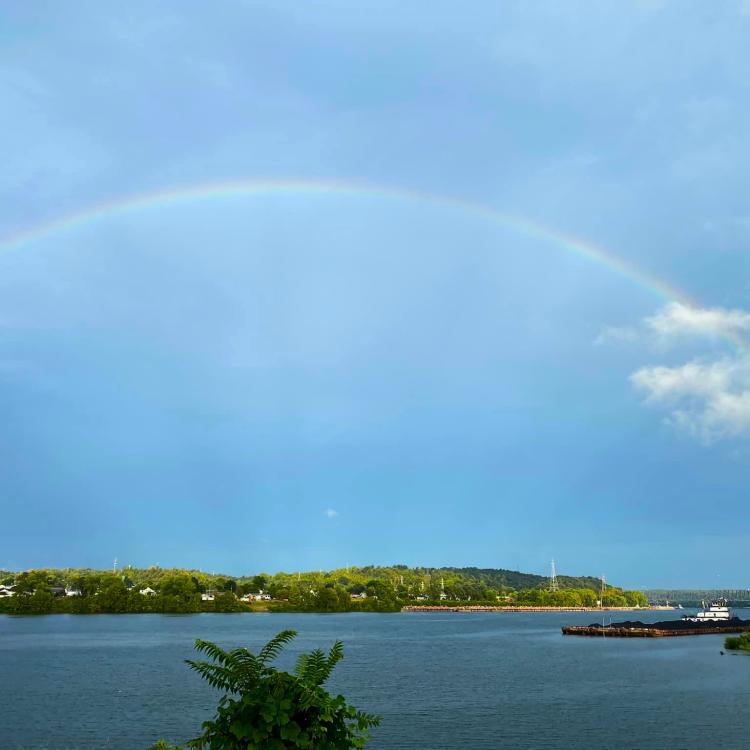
(421, 578)
(514, 579)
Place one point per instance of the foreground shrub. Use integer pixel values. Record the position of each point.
(264, 708)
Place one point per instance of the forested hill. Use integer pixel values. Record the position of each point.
(369, 588)
(463, 581)
(500, 578)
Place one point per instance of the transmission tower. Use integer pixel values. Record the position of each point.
(552, 577)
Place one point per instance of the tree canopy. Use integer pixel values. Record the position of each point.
(364, 589)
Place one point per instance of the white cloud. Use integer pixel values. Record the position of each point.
(678, 319)
(709, 400)
(330, 513)
(707, 397)
(692, 380)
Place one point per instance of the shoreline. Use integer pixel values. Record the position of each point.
(405, 610)
(491, 608)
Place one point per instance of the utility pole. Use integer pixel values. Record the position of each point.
(552, 577)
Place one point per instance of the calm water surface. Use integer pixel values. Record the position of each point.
(438, 680)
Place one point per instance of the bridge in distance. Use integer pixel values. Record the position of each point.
(694, 597)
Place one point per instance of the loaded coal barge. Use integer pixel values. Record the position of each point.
(717, 618)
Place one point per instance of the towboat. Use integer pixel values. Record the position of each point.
(718, 611)
(717, 619)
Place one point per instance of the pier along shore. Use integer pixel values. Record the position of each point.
(488, 608)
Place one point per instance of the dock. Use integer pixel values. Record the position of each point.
(492, 608)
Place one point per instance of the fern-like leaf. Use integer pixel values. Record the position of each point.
(335, 655)
(216, 675)
(273, 648)
(310, 667)
(212, 651)
(247, 667)
(315, 668)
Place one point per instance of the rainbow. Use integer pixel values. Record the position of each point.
(262, 187)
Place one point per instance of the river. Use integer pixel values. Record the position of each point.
(446, 680)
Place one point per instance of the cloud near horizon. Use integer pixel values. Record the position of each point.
(678, 319)
(708, 398)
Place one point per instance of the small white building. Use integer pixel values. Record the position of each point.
(261, 596)
(148, 591)
(73, 592)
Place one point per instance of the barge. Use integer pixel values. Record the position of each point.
(714, 620)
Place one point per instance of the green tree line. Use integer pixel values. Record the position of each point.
(377, 589)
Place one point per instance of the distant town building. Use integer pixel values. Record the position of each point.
(261, 596)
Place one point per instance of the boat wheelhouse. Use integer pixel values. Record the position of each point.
(718, 611)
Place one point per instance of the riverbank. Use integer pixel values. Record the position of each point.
(279, 608)
(492, 608)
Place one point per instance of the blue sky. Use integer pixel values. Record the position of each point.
(302, 380)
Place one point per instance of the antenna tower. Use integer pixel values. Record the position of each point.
(552, 577)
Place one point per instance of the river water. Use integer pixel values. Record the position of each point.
(494, 680)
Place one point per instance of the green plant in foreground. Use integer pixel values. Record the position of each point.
(273, 710)
(738, 643)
